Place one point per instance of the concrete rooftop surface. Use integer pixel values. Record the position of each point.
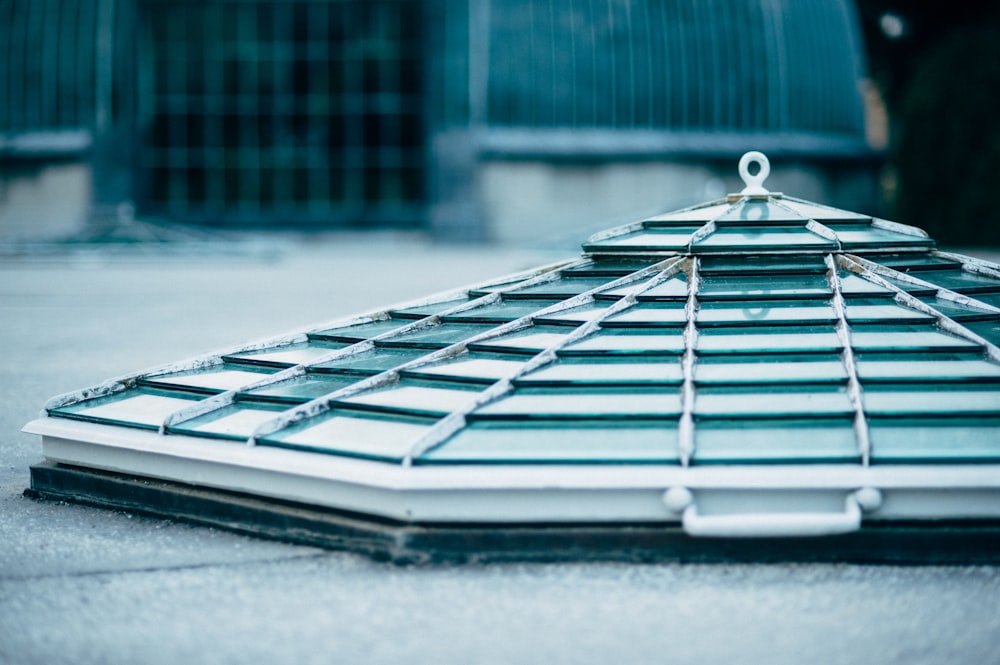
(81, 585)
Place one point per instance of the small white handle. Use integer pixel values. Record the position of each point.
(754, 183)
(756, 525)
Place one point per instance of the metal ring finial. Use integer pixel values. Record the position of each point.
(754, 183)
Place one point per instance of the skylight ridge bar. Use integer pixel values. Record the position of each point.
(867, 267)
(896, 227)
(854, 390)
(454, 421)
(944, 321)
(824, 231)
(685, 425)
(971, 263)
(323, 403)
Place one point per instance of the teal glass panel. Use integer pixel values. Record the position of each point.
(759, 403)
(861, 236)
(144, 408)
(885, 313)
(370, 362)
(762, 238)
(436, 337)
(286, 356)
(415, 398)
(908, 261)
(236, 422)
(604, 373)
(820, 212)
(699, 214)
(671, 315)
(469, 367)
(769, 265)
(925, 400)
(908, 340)
(988, 330)
(210, 380)
(713, 342)
(531, 340)
(610, 267)
(573, 317)
(854, 285)
(564, 288)
(559, 442)
(742, 441)
(503, 285)
(610, 343)
(958, 312)
(770, 370)
(934, 440)
(756, 286)
(499, 313)
(660, 238)
(423, 311)
(673, 289)
(922, 371)
(752, 211)
(341, 432)
(634, 403)
(358, 333)
(301, 389)
(964, 281)
(768, 312)
(989, 298)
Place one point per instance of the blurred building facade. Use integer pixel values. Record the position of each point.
(476, 119)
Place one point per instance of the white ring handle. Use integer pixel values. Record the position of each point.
(754, 183)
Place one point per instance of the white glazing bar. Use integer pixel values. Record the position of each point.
(971, 263)
(854, 391)
(213, 358)
(896, 227)
(860, 267)
(322, 404)
(446, 427)
(823, 231)
(685, 427)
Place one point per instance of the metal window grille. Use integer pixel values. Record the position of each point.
(284, 112)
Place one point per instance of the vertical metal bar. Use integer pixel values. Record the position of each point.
(854, 390)
(104, 65)
(685, 427)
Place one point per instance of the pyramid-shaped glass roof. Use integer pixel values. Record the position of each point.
(692, 368)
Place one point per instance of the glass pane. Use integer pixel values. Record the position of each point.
(700, 214)
(605, 373)
(673, 289)
(359, 332)
(765, 442)
(288, 355)
(138, 407)
(761, 238)
(924, 370)
(498, 313)
(754, 286)
(483, 370)
(760, 211)
(885, 313)
(302, 388)
(216, 379)
(989, 330)
(567, 404)
(908, 341)
(944, 402)
(417, 399)
(858, 236)
(567, 286)
(648, 316)
(770, 312)
(237, 421)
(531, 341)
(573, 317)
(669, 343)
(963, 281)
(819, 212)
(934, 441)
(907, 261)
(611, 267)
(770, 265)
(344, 433)
(484, 442)
(437, 337)
(713, 342)
(370, 362)
(422, 311)
(959, 312)
(771, 404)
(650, 239)
(766, 371)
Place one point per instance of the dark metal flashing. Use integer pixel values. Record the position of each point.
(944, 542)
